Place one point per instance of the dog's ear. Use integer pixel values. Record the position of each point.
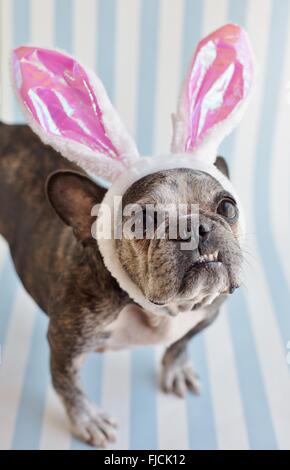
(72, 196)
(222, 165)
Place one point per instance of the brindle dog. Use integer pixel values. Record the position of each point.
(59, 264)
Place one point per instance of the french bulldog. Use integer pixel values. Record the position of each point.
(45, 215)
(109, 293)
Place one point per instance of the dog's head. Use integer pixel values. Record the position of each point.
(67, 106)
(177, 266)
(193, 253)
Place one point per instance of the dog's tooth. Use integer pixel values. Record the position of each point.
(216, 253)
(211, 257)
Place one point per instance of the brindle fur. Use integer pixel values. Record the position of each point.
(63, 271)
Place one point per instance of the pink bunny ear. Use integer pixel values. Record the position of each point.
(67, 106)
(215, 93)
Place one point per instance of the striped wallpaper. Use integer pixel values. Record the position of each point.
(140, 49)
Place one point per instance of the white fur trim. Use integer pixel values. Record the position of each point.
(146, 166)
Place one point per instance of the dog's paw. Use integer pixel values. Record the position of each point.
(179, 378)
(93, 426)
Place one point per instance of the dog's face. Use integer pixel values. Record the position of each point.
(174, 272)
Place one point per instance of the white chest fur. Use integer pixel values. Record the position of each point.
(134, 327)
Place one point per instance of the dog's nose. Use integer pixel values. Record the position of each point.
(204, 231)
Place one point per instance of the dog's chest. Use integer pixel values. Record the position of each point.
(134, 327)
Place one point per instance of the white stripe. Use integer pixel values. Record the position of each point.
(3, 250)
(6, 97)
(85, 31)
(225, 392)
(171, 417)
(42, 18)
(270, 348)
(55, 433)
(168, 73)
(215, 15)
(15, 355)
(116, 394)
(280, 169)
(127, 57)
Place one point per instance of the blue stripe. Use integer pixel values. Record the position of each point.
(201, 426)
(192, 32)
(106, 29)
(63, 21)
(237, 11)
(276, 278)
(106, 44)
(31, 407)
(21, 30)
(91, 379)
(9, 284)
(148, 57)
(256, 408)
(143, 434)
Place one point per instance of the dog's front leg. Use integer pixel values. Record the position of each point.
(87, 421)
(177, 374)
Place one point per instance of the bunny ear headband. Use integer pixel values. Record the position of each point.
(67, 106)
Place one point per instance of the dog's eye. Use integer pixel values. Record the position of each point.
(227, 208)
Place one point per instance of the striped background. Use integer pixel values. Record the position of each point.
(140, 49)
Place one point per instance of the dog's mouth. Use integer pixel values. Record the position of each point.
(213, 258)
(209, 261)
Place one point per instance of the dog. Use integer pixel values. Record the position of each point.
(128, 289)
(45, 215)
